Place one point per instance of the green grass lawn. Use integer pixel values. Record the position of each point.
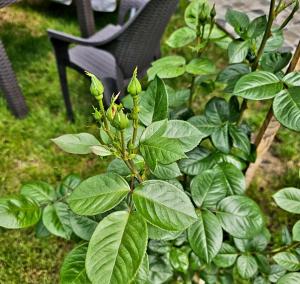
(27, 153)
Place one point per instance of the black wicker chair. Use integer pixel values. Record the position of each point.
(114, 52)
(8, 81)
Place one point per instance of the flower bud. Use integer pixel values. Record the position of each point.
(134, 87)
(96, 88)
(213, 12)
(203, 15)
(97, 115)
(111, 112)
(120, 120)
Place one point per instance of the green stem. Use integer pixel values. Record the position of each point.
(284, 248)
(192, 92)
(122, 140)
(105, 121)
(290, 17)
(135, 120)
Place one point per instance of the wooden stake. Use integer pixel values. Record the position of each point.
(270, 127)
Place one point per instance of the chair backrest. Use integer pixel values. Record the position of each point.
(140, 37)
(129, 8)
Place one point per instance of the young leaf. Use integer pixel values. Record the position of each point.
(167, 67)
(206, 236)
(73, 268)
(238, 20)
(164, 205)
(247, 266)
(82, 226)
(181, 37)
(98, 194)
(39, 191)
(292, 79)
(240, 216)
(201, 66)
(238, 50)
(117, 248)
(76, 143)
(207, 188)
(288, 199)
(286, 106)
(257, 27)
(259, 85)
(18, 212)
(290, 278)
(296, 232)
(287, 260)
(154, 102)
(226, 256)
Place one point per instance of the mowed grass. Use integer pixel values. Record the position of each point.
(28, 154)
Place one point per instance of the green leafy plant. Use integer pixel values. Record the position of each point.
(172, 205)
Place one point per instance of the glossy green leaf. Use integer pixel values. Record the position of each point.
(220, 138)
(290, 278)
(56, 218)
(203, 125)
(178, 98)
(142, 276)
(292, 79)
(167, 67)
(206, 236)
(286, 107)
(275, 42)
(201, 66)
(119, 167)
(100, 151)
(237, 51)
(73, 268)
(288, 199)
(40, 230)
(259, 85)
(240, 216)
(18, 212)
(82, 226)
(181, 37)
(238, 20)
(179, 260)
(296, 232)
(263, 263)
(156, 233)
(257, 27)
(154, 102)
(160, 269)
(276, 273)
(76, 143)
(39, 191)
(226, 256)
(166, 171)
(247, 266)
(117, 248)
(98, 194)
(287, 260)
(240, 140)
(275, 61)
(207, 189)
(217, 111)
(164, 205)
(68, 184)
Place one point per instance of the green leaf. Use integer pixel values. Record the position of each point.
(276, 272)
(247, 266)
(82, 226)
(142, 276)
(181, 37)
(292, 79)
(263, 263)
(231, 179)
(73, 268)
(259, 85)
(100, 151)
(160, 270)
(275, 42)
(257, 27)
(275, 61)
(68, 184)
(154, 102)
(217, 111)
(220, 138)
(296, 232)
(39, 191)
(207, 188)
(179, 260)
(119, 167)
(166, 171)
(167, 67)
(226, 256)
(164, 205)
(240, 216)
(287, 260)
(117, 248)
(98, 194)
(156, 233)
(238, 50)
(231, 74)
(203, 125)
(178, 98)
(288, 199)
(201, 66)
(290, 278)
(193, 10)
(76, 143)
(56, 218)
(240, 140)
(238, 20)
(40, 230)
(18, 212)
(206, 236)
(286, 106)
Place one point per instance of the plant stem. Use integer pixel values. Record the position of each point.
(135, 119)
(192, 92)
(130, 164)
(286, 247)
(291, 15)
(106, 124)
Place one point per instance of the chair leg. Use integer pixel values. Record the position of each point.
(65, 91)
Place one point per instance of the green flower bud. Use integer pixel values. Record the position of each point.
(203, 15)
(213, 12)
(96, 88)
(111, 112)
(120, 120)
(97, 115)
(134, 87)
